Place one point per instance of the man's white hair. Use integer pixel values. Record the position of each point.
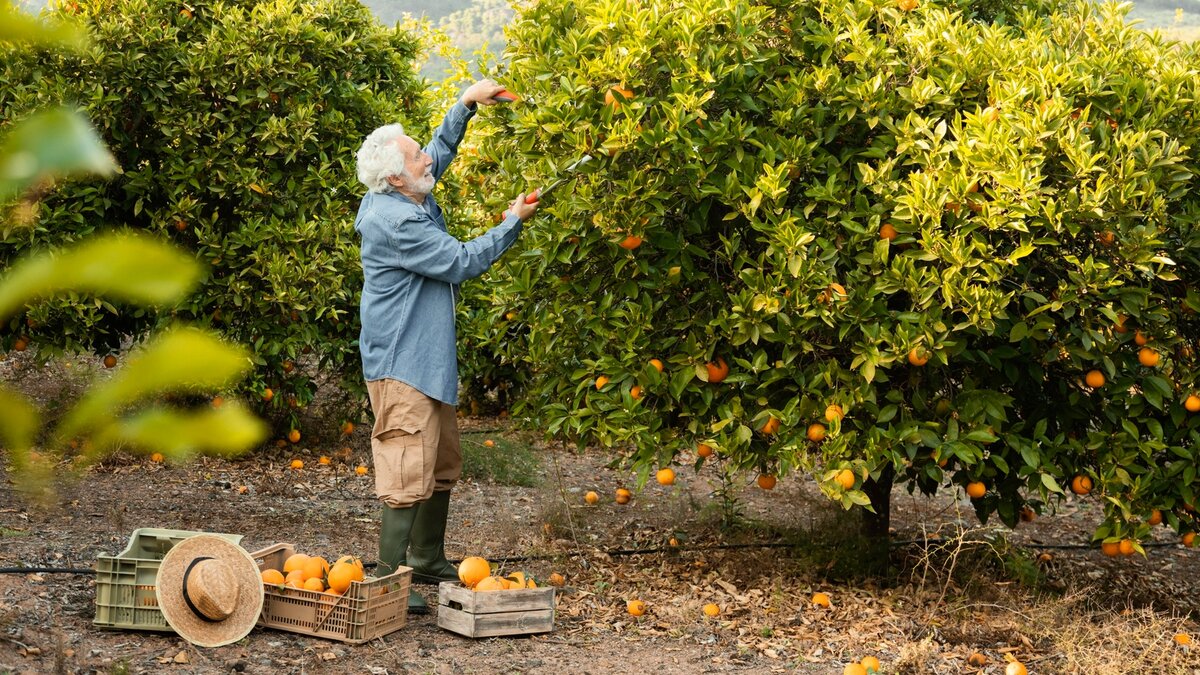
(379, 158)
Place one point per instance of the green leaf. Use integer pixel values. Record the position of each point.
(132, 268)
(179, 359)
(18, 420)
(229, 430)
(1051, 484)
(23, 28)
(56, 142)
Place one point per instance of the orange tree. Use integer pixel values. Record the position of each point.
(236, 125)
(877, 241)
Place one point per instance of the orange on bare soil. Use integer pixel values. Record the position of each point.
(636, 607)
(110, 361)
(1015, 668)
(361, 470)
(591, 498)
(711, 610)
(623, 496)
(157, 458)
(297, 464)
(821, 600)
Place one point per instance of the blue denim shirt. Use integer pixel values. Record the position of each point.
(411, 271)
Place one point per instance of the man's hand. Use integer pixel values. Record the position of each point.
(522, 210)
(481, 92)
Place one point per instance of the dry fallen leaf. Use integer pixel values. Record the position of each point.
(181, 657)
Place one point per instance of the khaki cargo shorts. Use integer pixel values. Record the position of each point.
(414, 442)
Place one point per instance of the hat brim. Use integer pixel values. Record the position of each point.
(169, 591)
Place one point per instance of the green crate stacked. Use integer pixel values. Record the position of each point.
(125, 583)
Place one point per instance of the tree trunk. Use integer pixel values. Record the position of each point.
(875, 525)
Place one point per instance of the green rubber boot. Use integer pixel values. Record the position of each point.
(394, 534)
(427, 549)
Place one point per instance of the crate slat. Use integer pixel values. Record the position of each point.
(495, 613)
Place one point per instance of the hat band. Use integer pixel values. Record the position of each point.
(186, 598)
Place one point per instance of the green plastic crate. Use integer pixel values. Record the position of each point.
(125, 582)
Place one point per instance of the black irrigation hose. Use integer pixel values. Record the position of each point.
(46, 570)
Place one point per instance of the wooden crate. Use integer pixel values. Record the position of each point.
(490, 613)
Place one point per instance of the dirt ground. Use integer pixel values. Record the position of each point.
(939, 602)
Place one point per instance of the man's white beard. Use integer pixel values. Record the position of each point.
(423, 185)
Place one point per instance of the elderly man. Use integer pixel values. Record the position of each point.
(411, 271)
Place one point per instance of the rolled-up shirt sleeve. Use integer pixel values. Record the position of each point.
(423, 248)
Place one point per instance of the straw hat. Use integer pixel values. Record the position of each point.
(209, 590)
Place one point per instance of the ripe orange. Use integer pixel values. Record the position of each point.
(816, 432)
(489, 443)
(295, 579)
(623, 496)
(341, 575)
(1125, 546)
(324, 460)
(272, 577)
(268, 394)
(1110, 548)
(557, 579)
(871, 663)
(490, 583)
(1028, 515)
(600, 382)
(294, 435)
(658, 365)
(704, 450)
(1015, 668)
(1119, 325)
(907, 5)
(771, 426)
(636, 607)
(717, 371)
(314, 584)
(766, 481)
(297, 464)
(1188, 539)
(217, 402)
(833, 412)
(978, 660)
(630, 242)
(21, 344)
(858, 668)
(156, 458)
(617, 95)
(821, 600)
(511, 316)
(347, 428)
(1192, 403)
(635, 392)
(294, 562)
(361, 470)
(846, 479)
(976, 489)
(591, 498)
(918, 357)
(886, 231)
(1155, 518)
(472, 570)
(1107, 238)
(1147, 357)
(110, 361)
(1081, 485)
(1094, 379)
(289, 366)
(711, 610)
(315, 567)
(665, 476)
(1183, 639)
(1140, 339)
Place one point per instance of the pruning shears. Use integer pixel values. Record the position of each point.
(567, 174)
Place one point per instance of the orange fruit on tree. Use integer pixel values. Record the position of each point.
(871, 663)
(771, 426)
(623, 496)
(918, 357)
(1110, 548)
(1015, 668)
(314, 584)
(821, 600)
(635, 392)
(887, 231)
(268, 394)
(858, 668)
(616, 95)
(490, 583)
(294, 435)
(846, 479)
(1147, 357)
(289, 366)
(717, 371)
(816, 432)
(1125, 546)
(766, 481)
(1188, 539)
(21, 344)
(833, 412)
(665, 476)
(315, 567)
(297, 464)
(1107, 238)
(711, 609)
(601, 381)
(1139, 338)
(1094, 379)
(472, 570)
(1081, 485)
(272, 577)
(636, 607)
(1155, 518)
(976, 489)
(907, 5)
(1119, 325)
(630, 242)
(361, 470)
(1192, 403)
(658, 365)
(591, 498)
(704, 450)
(110, 361)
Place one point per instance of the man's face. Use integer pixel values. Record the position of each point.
(418, 165)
